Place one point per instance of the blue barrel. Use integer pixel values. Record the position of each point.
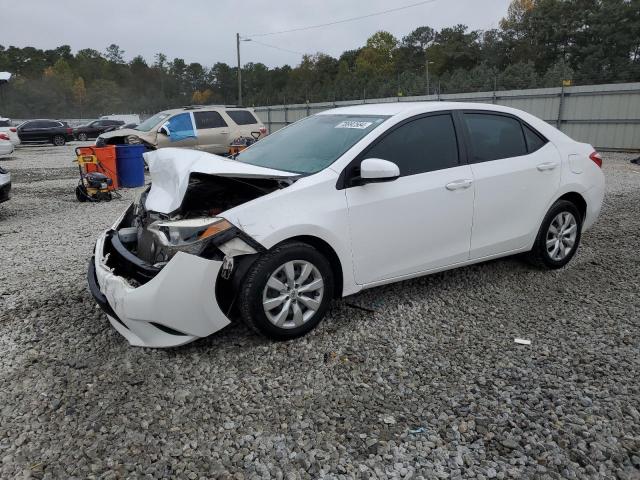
(130, 165)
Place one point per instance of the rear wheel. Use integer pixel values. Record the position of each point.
(58, 140)
(82, 137)
(287, 291)
(558, 237)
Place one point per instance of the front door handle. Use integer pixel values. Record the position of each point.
(459, 184)
(547, 166)
(224, 132)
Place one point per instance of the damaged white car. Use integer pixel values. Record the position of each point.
(344, 200)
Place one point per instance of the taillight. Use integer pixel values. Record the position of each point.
(4, 136)
(596, 158)
(13, 129)
(69, 130)
(263, 130)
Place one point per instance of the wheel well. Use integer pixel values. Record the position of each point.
(578, 200)
(326, 249)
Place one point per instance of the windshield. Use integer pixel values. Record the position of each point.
(312, 144)
(149, 123)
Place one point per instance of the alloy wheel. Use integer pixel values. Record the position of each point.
(293, 294)
(561, 236)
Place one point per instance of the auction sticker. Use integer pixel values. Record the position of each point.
(353, 124)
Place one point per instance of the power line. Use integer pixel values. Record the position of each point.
(345, 20)
(272, 46)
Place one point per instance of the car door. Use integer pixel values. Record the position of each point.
(181, 132)
(29, 131)
(98, 127)
(420, 221)
(516, 173)
(213, 132)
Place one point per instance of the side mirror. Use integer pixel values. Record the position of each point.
(164, 130)
(375, 170)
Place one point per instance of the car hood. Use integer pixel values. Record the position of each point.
(124, 133)
(171, 168)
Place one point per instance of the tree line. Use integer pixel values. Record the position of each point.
(539, 43)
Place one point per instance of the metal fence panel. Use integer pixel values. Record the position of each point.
(607, 116)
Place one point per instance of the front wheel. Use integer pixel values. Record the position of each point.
(558, 237)
(59, 140)
(287, 291)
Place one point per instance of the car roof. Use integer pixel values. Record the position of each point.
(196, 108)
(398, 108)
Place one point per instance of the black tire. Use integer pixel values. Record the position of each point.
(254, 284)
(81, 193)
(59, 140)
(82, 137)
(539, 254)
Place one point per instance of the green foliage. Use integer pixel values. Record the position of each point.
(539, 43)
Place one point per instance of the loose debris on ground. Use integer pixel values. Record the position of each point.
(421, 380)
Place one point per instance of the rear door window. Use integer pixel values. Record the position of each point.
(422, 145)
(494, 137)
(5, 123)
(206, 120)
(242, 117)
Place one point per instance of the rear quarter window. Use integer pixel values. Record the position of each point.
(534, 140)
(242, 117)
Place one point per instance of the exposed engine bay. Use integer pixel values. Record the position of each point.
(155, 237)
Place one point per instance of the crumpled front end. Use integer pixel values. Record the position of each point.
(166, 272)
(176, 305)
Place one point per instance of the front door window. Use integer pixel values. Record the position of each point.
(180, 127)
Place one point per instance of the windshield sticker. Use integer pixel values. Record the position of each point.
(353, 124)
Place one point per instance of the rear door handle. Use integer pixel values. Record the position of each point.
(459, 184)
(224, 132)
(547, 166)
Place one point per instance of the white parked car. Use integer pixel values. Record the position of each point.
(348, 199)
(6, 145)
(8, 129)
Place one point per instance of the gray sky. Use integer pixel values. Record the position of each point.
(204, 30)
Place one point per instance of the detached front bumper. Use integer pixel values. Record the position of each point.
(176, 306)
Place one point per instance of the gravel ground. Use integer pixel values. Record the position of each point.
(430, 384)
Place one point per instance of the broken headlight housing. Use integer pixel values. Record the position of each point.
(133, 140)
(190, 236)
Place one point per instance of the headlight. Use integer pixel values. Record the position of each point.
(184, 232)
(133, 140)
(190, 236)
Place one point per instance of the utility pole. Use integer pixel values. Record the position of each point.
(239, 70)
(426, 65)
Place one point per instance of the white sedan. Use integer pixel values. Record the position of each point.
(348, 199)
(6, 145)
(10, 131)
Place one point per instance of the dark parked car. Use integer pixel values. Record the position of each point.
(45, 131)
(95, 128)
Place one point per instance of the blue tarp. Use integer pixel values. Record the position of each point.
(181, 127)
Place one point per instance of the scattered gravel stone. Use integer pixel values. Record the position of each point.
(435, 353)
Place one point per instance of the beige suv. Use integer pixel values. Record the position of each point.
(210, 128)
